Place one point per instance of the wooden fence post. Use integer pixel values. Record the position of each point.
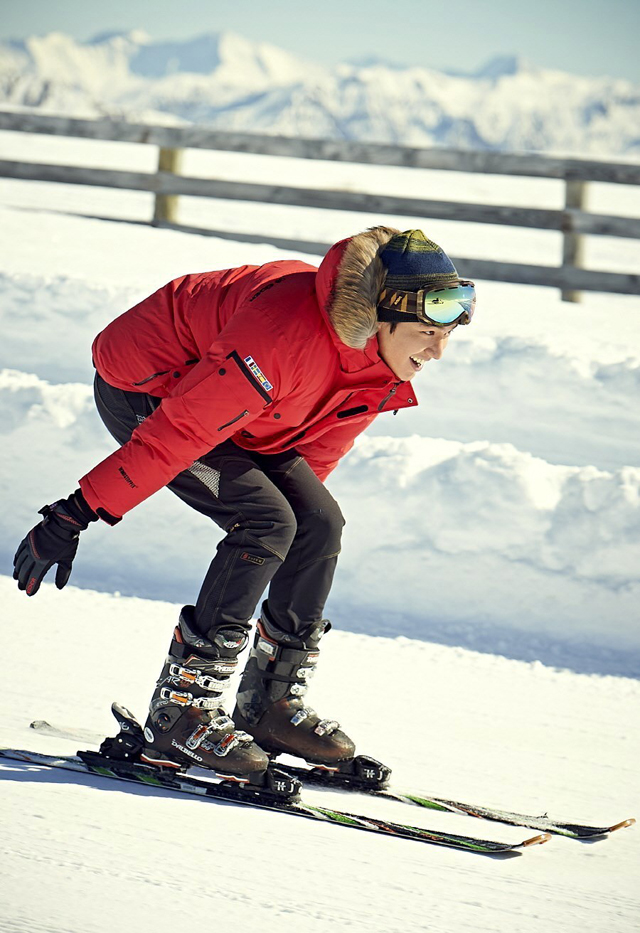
(573, 243)
(166, 205)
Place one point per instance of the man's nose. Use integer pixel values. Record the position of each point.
(438, 349)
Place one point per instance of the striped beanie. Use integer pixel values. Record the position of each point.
(413, 261)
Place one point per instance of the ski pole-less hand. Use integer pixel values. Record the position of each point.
(53, 541)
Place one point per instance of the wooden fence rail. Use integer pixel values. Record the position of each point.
(167, 183)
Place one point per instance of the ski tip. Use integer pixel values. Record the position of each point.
(537, 840)
(622, 825)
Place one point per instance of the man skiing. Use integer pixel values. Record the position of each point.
(241, 390)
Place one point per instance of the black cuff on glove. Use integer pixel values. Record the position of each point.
(77, 507)
(83, 510)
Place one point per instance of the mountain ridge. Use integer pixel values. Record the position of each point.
(227, 81)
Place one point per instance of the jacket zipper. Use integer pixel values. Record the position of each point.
(384, 401)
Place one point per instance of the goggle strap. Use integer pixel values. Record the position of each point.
(400, 303)
(390, 317)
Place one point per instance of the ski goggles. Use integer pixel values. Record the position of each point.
(453, 303)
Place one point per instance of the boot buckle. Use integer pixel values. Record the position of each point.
(182, 674)
(176, 696)
(326, 727)
(205, 729)
(182, 698)
(231, 741)
(193, 677)
(300, 716)
(198, 735)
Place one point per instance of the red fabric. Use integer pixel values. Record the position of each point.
(248, 354)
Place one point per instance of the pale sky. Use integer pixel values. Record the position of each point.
(590, 37)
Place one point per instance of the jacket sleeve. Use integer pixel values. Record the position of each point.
(324, 453)
(239, 376)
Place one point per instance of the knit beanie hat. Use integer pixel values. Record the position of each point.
(413, 261)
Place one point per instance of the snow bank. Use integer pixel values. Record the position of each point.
(558, 400)
(475, 543)
(488, 545)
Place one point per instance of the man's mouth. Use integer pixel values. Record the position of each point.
(417, 362)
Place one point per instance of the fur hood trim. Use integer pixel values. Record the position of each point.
(352, 307)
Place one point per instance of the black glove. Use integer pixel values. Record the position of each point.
(53, 541)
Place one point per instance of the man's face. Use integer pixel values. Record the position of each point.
(410, 346)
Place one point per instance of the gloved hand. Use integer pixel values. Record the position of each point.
(53, 541)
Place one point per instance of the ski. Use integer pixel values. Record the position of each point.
(368, 776)
(365, 775)
(152, 776)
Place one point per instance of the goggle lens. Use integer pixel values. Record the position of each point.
(448, 304)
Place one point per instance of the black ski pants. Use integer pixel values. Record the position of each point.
(283, 527)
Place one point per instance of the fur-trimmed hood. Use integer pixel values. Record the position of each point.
(349, 282)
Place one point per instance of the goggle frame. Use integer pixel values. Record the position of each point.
(402, 305)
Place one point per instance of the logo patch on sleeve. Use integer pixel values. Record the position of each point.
(257, 373)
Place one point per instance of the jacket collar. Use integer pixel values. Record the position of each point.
(347, 284)
(343, 314)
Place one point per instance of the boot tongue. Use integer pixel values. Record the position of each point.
(307, 638)
(226, 643)
(230, 642)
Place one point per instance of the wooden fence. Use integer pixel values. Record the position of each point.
(573, 222)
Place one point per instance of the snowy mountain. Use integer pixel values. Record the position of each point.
(227, 81)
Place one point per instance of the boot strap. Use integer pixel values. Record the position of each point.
(181, 698)
(285, 678)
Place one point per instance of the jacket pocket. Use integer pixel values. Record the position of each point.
(150, 378)
(233, 420)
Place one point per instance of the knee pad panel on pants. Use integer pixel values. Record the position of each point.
(275, 535)
(325, 526)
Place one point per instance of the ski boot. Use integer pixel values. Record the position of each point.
(187, 724)
(269, 703)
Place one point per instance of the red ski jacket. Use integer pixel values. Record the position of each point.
(273, 357)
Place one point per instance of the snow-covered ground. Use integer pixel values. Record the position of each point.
(86, 855)
(486, 638)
